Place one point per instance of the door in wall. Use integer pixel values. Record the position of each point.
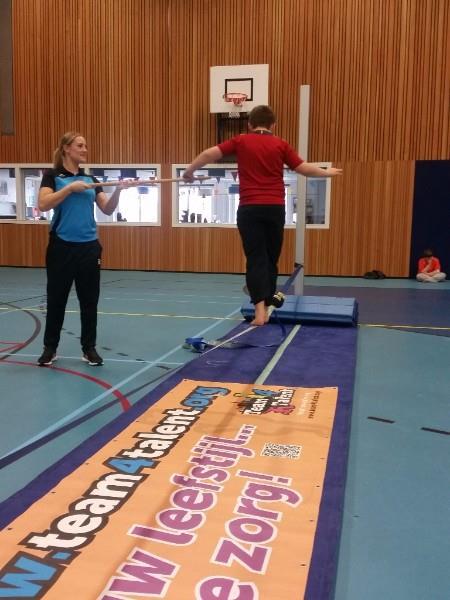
(431, 213)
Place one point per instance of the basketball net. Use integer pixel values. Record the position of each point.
(237, 101)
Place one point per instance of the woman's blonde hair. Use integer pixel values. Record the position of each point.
(66, 140)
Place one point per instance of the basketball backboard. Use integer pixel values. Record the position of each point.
(252, 80)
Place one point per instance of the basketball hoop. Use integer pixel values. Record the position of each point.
(237, 100)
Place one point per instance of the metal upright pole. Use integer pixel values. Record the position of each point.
(303, 130)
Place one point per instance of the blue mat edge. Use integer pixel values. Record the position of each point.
(324, 561)
(311, 309)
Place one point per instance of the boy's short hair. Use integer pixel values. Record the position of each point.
(428, 252)
(261, 116)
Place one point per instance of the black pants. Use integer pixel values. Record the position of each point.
(261, 228)
(69, 262)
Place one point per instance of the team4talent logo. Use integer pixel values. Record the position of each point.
(264, 401)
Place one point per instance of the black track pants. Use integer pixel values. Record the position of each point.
(261, 228)
(69, 262)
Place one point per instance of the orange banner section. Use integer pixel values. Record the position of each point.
(213, 494)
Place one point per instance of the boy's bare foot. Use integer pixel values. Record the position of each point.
(258, 322)
(261, 315)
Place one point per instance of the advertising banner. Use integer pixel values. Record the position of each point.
(212, 494)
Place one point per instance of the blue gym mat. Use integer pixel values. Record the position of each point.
(311, 309)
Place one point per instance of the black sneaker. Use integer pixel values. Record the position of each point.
(47, 357)
(278, 300)
(92, 357)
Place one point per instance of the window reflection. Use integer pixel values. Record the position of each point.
(138, 204)
(32, 182)
(316, 201)
(8, 206)
(215, 201)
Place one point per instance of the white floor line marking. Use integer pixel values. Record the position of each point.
(249, 328)
(215, 300)
(6, 310)
(78, 358)
(276, 357)
(219, 345)
(97, 399)
(158, 301)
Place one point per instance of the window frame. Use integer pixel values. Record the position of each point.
(328, 180)
(154, 167)
(175, 184)
(233, 166)
(19, 169)
(20, 191)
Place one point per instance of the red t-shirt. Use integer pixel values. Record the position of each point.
(434, 266)
(261, 158)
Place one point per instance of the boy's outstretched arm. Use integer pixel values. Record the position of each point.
(209, 155)
(310, 170)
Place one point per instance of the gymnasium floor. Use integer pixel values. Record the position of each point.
(394, 543)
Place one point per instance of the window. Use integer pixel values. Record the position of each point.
(317, 202)
(20, 185)
(8, 202)
(140, 204)
(215, 201)
(32, 178)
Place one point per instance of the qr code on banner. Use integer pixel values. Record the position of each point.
(281, 450)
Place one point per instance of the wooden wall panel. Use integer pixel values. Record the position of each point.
(95, 66)
(371, 227)
(133, 76)
(6, 74)
(371, 230)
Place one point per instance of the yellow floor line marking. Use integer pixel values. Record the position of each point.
(127, 314)
(404, 326)
(173, 316)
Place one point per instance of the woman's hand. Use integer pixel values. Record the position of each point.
(78, 186)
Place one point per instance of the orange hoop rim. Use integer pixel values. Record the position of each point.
(237, 98)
